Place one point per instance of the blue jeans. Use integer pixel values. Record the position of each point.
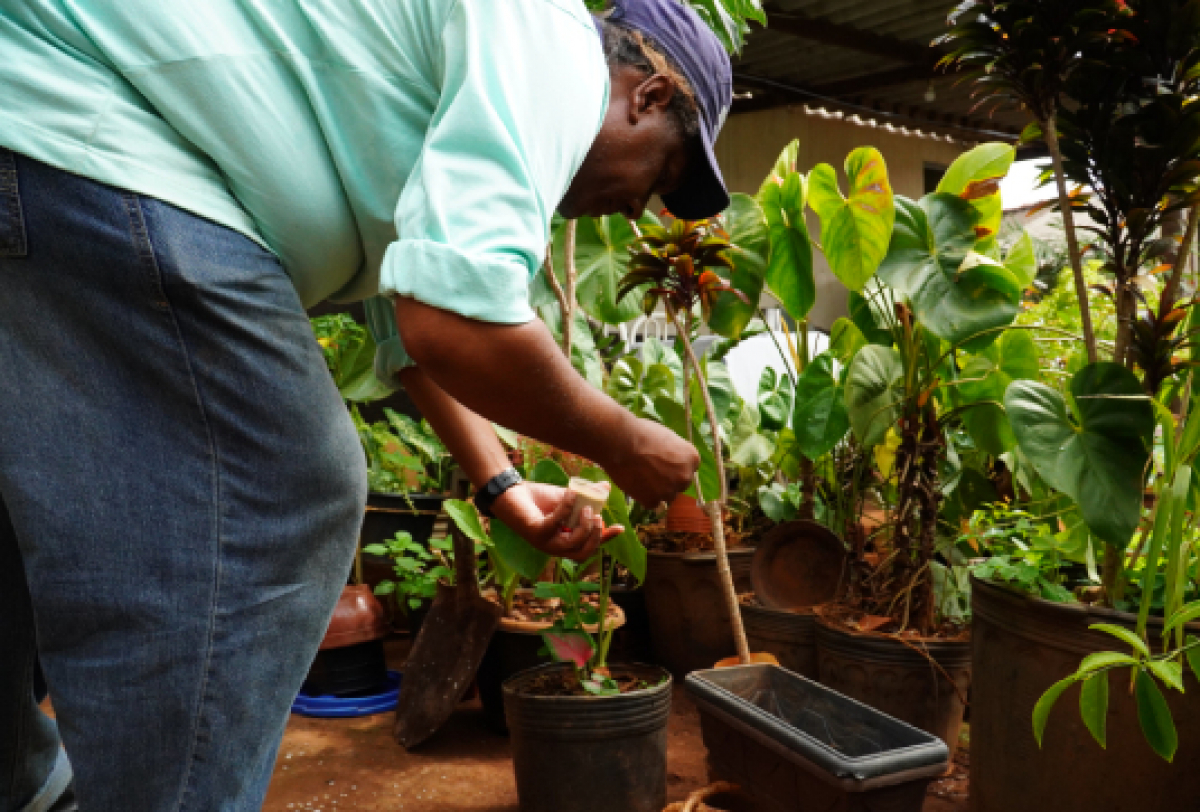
(181, 490)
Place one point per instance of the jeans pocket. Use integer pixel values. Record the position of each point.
(12, 223)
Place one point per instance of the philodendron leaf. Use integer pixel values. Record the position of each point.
(874, 392)
(1041, 711)
(957, 294)
(790, 267)
(820, 419)
(1022, 260)
(1096, 456)
(855, 230)
(975, 176)
(602, 259)
(984, 380)
(466, 517)
(1093, 706)
(1155, 716)
(845, 339)
(746, 225)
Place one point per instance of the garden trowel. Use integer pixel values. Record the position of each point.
(447, 652)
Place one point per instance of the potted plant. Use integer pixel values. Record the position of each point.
(603, 725)
(1123, 89)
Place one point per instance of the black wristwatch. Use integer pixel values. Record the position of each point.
(486, 496)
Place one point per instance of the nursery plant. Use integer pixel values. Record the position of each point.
(418, 569)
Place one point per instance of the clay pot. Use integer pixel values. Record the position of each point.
(689, 618)
(900, 680)
(685, 516)
(357, 618)
(1022, 646)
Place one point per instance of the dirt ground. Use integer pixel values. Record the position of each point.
(340, 764)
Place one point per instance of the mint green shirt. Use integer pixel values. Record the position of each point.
(409, 147)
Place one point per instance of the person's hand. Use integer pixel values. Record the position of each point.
(651, 463)
(538, 513)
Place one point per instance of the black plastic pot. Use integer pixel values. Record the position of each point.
(590, 753)
(689, 618)
(794, 745)
(790, 636)
(388, 514)
(357, 670)
(910, 682)
(631, 643)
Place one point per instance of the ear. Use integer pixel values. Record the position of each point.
(653, 95)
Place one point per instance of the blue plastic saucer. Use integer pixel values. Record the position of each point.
(333, 707)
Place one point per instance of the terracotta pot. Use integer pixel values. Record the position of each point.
(685, 516)
(790, 636)
(689, 620)
(1022, 646)
(900, 680)
(357, 618)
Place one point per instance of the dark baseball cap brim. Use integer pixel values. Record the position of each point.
(703, 193)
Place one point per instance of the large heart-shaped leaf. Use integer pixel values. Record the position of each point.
(984, 380)
(790, 267)
(956, 293)
(601, 260)
(821, 419)
(746, 225)
(855, 230)
(874, 392)
(747, 445)
(774, 399)
(1097, 453)
(975, 176)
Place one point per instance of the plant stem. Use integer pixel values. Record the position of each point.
(565, 296)
(1050, 128)
(714, 508)
(605, 635)
(1171, 292)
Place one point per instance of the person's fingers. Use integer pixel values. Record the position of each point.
(578, 543)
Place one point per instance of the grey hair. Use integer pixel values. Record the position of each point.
(625, 47)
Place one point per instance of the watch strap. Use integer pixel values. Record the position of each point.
(486, 496)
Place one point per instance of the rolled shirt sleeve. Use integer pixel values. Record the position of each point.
(524, 89)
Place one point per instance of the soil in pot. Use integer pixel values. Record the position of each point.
(789, 635)
(924, 682)
(1022, 646)
(516, 646)
(588, 753)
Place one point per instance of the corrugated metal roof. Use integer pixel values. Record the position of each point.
(872, 57)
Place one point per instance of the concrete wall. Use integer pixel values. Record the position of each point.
(750, 143)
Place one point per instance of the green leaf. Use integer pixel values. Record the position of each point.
(874, 392)
(1121, 633)
(517, 554)
(746, 225)
(626, 548)
(385, 588)
(790, 267)
(671, 415)
(1155, 716)
(375, 549)
(1169, 671)
(747, 446)
(976, 174)
(549, 472)
(1104, 659)
(984, 380)
(820, 419)
(1193, 655)
(1022, 261)
(466, 518)
(1093, 706)
(1097, 459)
(1041, 711)
(855, 231)
(602, 259)
(956, 294)
(1186, 614)
(846, 340)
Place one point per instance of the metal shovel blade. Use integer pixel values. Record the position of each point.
(447, 652)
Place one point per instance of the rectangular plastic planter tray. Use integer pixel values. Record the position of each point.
(794, 745)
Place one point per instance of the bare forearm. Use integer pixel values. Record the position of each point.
(469, 437)
(514, 375)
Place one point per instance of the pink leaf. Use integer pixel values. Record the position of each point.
(572, 647)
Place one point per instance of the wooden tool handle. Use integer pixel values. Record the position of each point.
(465, 579)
